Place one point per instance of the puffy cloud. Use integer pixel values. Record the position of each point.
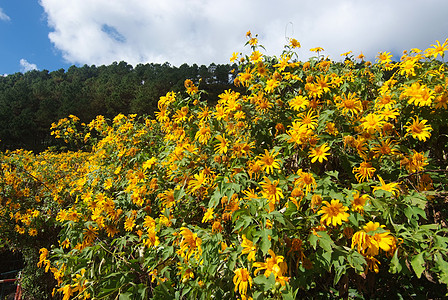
(25, 66)
(3, 16)
(201, 31)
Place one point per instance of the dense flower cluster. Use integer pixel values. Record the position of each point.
(318, 167)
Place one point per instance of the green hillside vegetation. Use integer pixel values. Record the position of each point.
(31, 102)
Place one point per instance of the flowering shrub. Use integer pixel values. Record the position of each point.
(322, 179)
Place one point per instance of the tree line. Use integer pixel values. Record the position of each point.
(30, 102)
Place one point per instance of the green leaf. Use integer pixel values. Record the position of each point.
(440, 241)
(265, 243)
(125, 296)
(179, 193)
(340, 270)
(243, 222)
(414, 211)
(356, 261)
(354, 219)
(395, 265)
(313, 240)
(278, 217)
(325, 241)
(265, 283)
(334, 174)
(418, 264)
(215, 198)
(258, 295)
(443, 267)
(288, 295)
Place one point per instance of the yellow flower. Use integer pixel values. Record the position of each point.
(273, 265)
(152, 239)
(389, 187)
(299, 103)
(330, 128)
(256, 56)
(309, 120)
(384, 58)
(388, 113)
(162, 115)
(90, 233)
(417, 162)
(241, 280)
(319, 153)
(129, 224)
(208, 215)
(271, 84)
(108, 183)
(190, 244)
(67, 291)
(190, 87)
(248, 248)
(187, 274)
(199, 181)
(385, 148)
(333, 213)
(149, 163)
(306, 180)
(20, 229)
(294, 43)
(283, 63)
(364, 171)
(359, 201)
(384, 101)
(43, 261)
(418, 94)
(407, 67)
(222, 146)
(271, 191)
(322, 81)
(370, 244)
(383, 241)
(167, 198)
(299, 133)
(317, 49)
(372, 264)
(245, 77)
(268, 162)
(442, 101)
(316, 201)
(217, 227)
(438, 49)
(234, 57)
(418, 129)
(372, 122)
(253, 41)
(203, 134)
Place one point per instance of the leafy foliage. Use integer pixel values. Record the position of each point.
(31, 102)
(316, 178)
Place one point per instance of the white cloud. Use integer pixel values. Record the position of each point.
(25, 66)
(201, 31)
(3, 16)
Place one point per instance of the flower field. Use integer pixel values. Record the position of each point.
(310, 179)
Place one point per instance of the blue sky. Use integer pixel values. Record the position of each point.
(24, 39)
(55, 34)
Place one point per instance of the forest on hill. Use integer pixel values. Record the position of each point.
(30, 102)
